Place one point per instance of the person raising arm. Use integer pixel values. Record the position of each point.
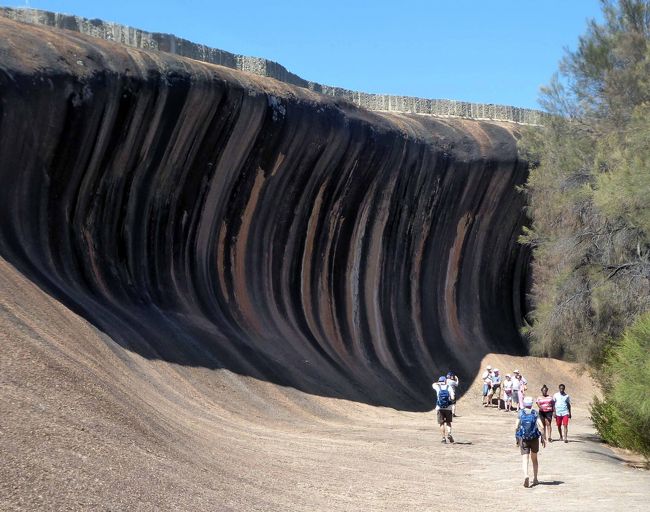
(445, 396)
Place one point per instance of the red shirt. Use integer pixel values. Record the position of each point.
(545, 403)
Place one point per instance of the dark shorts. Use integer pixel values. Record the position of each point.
(546, 416)
(525, 447)
(444, 416)
(515, 395)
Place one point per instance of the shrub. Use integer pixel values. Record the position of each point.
(622, 417)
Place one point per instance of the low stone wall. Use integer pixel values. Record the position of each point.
(169, 43)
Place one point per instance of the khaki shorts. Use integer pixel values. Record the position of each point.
(532, 445)
(444, 416)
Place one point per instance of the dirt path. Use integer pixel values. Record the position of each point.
(88, 425)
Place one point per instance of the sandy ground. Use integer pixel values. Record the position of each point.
(87, 425)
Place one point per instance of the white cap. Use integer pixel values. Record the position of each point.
(496, 370)
(508, 375)
(515, 371)
(488, 367)
(528, 402)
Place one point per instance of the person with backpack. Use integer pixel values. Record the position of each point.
(445, 397)
(452, 380)
(545, 405)
(562, 403)
(528, 438)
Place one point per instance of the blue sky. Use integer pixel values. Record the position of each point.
(488, 51)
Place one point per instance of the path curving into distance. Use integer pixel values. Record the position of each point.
(89, 425)
(207, 217)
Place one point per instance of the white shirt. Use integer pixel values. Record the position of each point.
(518, 384)
(562, 403)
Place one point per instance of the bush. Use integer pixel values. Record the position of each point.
(622, 417)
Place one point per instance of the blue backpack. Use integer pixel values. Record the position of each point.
(527, 426)
(444, 398)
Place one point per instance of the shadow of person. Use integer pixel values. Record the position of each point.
(550, 482)
(594, 438)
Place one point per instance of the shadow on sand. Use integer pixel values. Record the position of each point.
(550, 482)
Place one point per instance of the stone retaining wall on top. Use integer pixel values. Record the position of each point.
(169, 43)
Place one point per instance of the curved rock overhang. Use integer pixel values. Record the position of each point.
(213, 218)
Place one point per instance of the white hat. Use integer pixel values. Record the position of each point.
(508, 375)
(488, 367)
(515, 371)
(496, 370)
(528, 402)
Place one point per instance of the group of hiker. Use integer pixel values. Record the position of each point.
(533, 426)
(513, 387)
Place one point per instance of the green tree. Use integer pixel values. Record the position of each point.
(588, 190)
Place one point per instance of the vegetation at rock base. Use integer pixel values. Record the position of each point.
(589, 202)
(623, 416)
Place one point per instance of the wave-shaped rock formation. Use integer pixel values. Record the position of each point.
(214, 218)
(264, 67)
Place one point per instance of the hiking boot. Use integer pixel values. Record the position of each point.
(444, 440)
(566, 440)
(526, 482)
(450, 438)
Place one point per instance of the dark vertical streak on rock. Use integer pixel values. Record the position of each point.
(211, 218)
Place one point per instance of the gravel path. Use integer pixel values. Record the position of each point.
(87, 425)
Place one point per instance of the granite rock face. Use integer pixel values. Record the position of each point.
(213, 218)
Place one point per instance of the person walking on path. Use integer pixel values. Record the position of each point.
(528, 439)
(507, 393)
(562, 403)
(545, 405)
(445, 397)
(452, 380)
(487, 384)
(495, 390)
